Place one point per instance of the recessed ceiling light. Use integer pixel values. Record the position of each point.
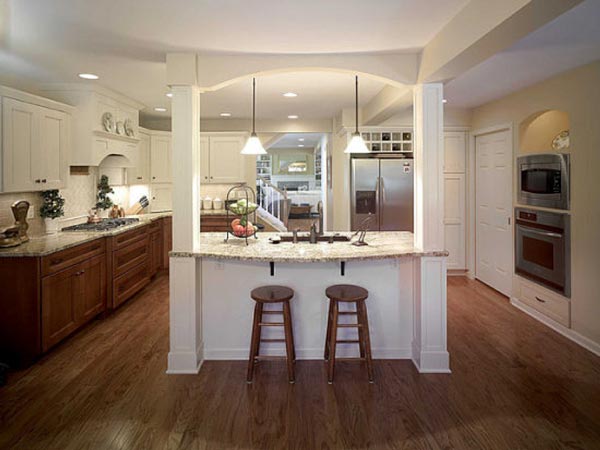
(160, 109)
(293, 116)
(88, 76)
(225, 114)
(300, 145)
(301, 139)
(169, 94)
(444, 101)
(290, 94)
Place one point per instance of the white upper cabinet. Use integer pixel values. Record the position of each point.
(140, 174)
(160, 158)
(454, 152)
(204, 159)
(35, 146)
(225, 163)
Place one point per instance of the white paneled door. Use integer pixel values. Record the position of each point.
(493, 199)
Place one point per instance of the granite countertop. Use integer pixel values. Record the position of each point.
(47, 244)
(382, 245)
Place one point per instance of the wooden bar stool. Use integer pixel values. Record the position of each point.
(347, 293)
(272, 294)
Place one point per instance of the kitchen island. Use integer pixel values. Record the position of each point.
(388, 268)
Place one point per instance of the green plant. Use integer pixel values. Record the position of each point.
(52, 204)
(104, 201)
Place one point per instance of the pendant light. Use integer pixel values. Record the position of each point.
(356, 144)
(253, 145)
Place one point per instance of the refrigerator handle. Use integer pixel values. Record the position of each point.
(377, 199)
(382, 190)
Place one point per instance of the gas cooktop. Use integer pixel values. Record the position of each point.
(104, 225)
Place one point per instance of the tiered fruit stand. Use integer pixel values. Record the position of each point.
(241, 204)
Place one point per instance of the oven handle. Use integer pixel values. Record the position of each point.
(544, 233)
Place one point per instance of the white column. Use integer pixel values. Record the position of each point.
(185, 355)
(429, 352)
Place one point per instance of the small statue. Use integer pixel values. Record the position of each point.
(19, 210)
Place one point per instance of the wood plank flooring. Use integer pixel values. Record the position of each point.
(515, 385)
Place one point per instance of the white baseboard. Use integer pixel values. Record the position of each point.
(241, 354)
(185, 362)
(586, 343)
(456, 273)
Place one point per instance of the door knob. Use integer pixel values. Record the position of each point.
(44, 180)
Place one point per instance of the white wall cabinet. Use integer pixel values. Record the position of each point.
(140, 174)
(160, 158)
(455, 198)
(35, 146)
(162, 197)
(221, 161)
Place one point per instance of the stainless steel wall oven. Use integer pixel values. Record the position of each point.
(543, 248)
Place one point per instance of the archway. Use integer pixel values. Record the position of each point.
(538, 131)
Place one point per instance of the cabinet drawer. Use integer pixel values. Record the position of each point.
(126, 258)
(155, 225)
(61, 260)
(130, 283)
(545, 301)
(214, 223)
(124, 239)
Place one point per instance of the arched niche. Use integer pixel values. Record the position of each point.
(537, 132)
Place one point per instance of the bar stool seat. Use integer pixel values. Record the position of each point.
(347, 293)
(272, 295)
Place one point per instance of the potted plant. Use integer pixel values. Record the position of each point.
(52, 208)
(104, 203)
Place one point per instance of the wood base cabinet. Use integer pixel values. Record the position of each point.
(71, 298)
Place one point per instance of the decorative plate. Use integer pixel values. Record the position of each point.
(128, 127)
(561, 141)
(120, 128)
(108, 122)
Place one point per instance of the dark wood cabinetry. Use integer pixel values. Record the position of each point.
(71, 298)
(44, 299)
(214, 223)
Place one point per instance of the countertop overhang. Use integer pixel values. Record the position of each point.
(382, 245)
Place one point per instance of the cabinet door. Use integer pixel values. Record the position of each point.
(162, 197)
(454, 220)
(160, 159)
(53, 149)
(21, 136)
(141, 173)
(92, 285)
(454, 152)
(226, 162)
(156, 253)
(59, 314)
(204, 160)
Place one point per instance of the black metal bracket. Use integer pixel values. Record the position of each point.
(272, 264)
(343, 268)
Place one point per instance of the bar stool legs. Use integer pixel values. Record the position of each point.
(347, 294)
(272, 294)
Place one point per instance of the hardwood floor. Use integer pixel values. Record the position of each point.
(515, 385)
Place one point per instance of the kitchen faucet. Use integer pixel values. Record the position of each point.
(362, 231)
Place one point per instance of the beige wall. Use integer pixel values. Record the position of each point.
(537, 133)
(577, 93)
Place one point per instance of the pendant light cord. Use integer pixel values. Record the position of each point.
(356, 103)
(253, 105)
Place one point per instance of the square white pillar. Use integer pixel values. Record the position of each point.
(185, 277)
(429, 351)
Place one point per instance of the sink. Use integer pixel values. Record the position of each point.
(325, 238)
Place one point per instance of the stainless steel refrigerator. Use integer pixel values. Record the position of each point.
(382, 187)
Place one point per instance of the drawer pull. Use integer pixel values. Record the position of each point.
(541, 300)
(56, 261)
(81, 272)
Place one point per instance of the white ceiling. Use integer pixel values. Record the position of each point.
(569, 41)
(320, 95)
(125, 41)
(292, 140)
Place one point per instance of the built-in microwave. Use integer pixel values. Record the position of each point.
(544, 180)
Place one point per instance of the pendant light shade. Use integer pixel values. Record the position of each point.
(253, 145)
(356, 144)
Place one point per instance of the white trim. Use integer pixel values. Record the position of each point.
(471, 208)
(316, 353)
(90, 87)
(583, 341)
(36, 100)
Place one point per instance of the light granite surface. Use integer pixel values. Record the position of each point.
(45, 245)
(382, 245)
